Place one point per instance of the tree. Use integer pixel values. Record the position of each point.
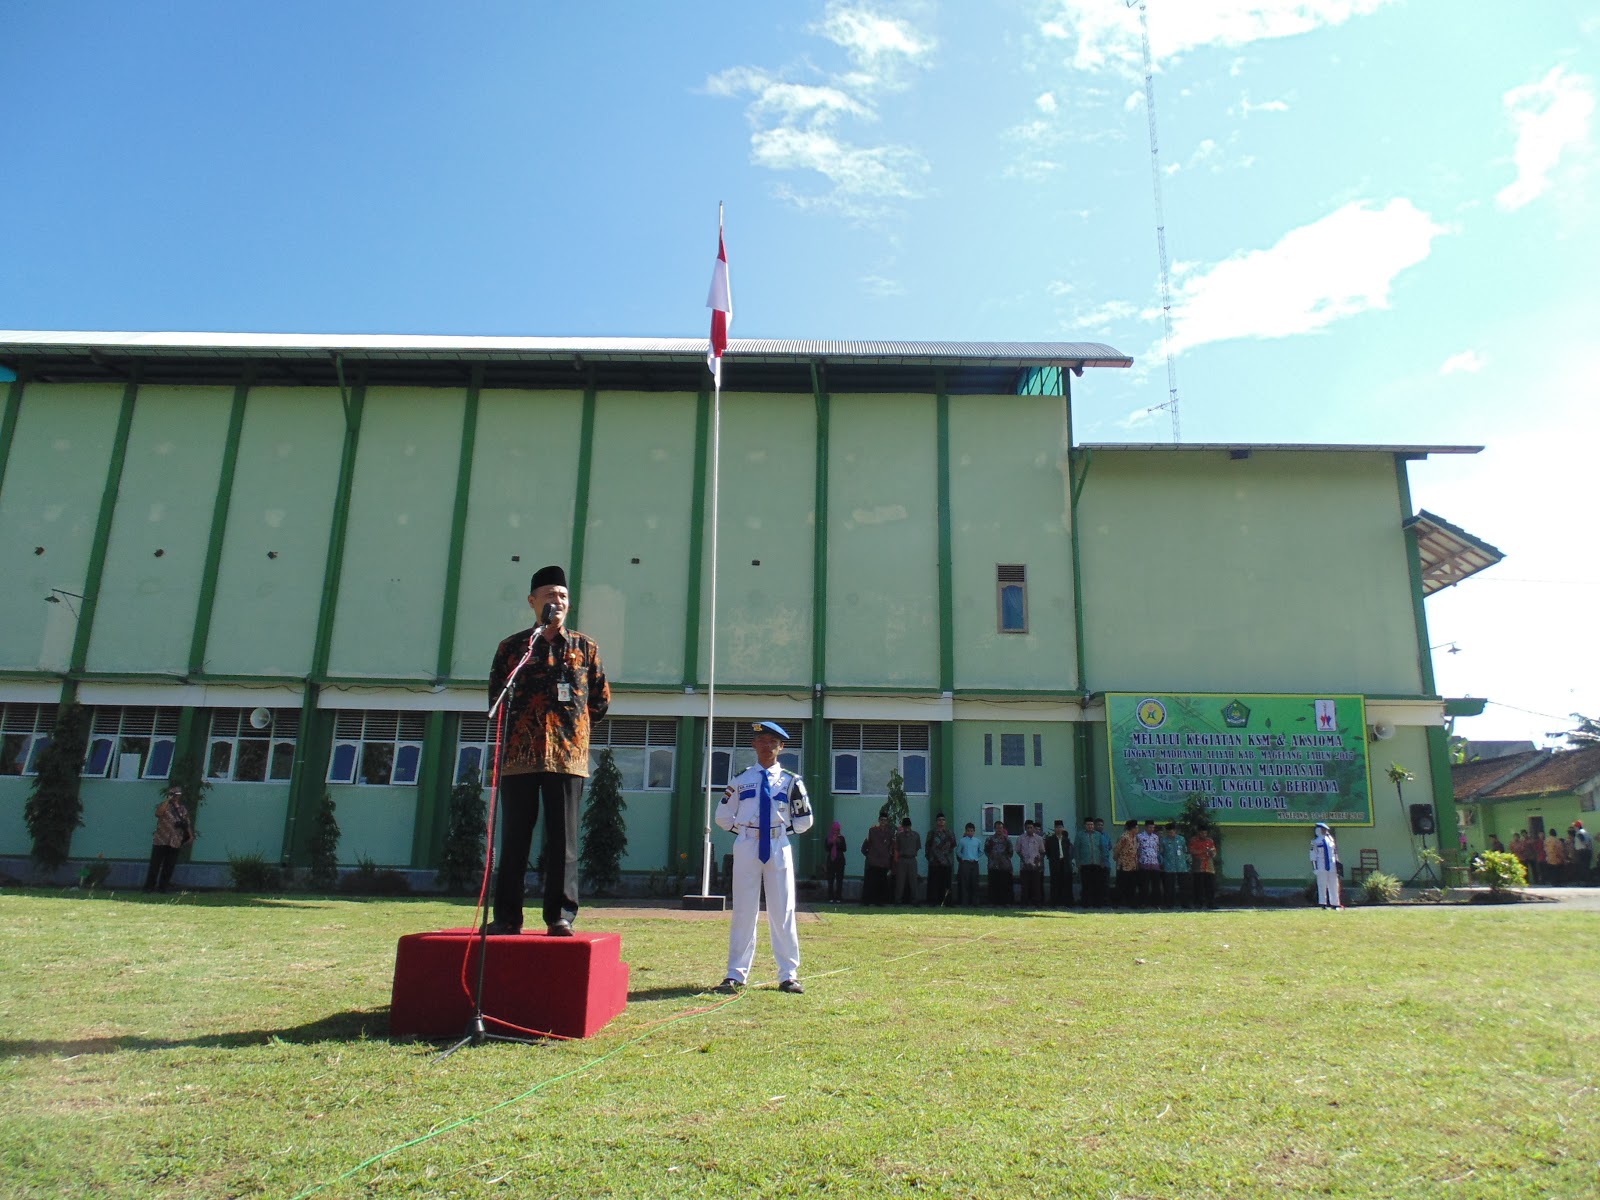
(605, 834)
(324, 848)
(896, 805)
(461, 863)
(54, 807)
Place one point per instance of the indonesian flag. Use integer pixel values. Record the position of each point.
(720, 302)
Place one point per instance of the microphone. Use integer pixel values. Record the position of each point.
(548, 615)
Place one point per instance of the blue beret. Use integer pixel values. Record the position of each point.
(771, 727)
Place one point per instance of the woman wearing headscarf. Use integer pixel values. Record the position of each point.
(833, 858)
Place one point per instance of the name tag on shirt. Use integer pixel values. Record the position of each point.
(563, 693)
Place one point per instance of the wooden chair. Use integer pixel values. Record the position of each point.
(1367, 865)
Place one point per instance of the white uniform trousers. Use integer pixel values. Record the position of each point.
(749, 874)
(1328, 888)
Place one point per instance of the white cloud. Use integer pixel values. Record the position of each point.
(1333, 268)
(1046, 103)
(872, 38)
(1106, 34)
(796, 125)
(1550, 117)
(1266, 106)
(1469, 361)
(877, 285)
(1101, 317)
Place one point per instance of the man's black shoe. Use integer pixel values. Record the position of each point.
(729, 986)
(791, 985)
(562, 928)
(500, 927)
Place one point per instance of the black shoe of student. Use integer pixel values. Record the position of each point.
(500, 927)
(729, 986)
(562, 928)
(792, 986)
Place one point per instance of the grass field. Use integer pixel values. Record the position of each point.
(211, 1046)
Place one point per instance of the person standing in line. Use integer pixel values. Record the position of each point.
(833, 860)
(1582, 852)
(907, 845)
(940, 847)
(1125, 854)
(1325, 862)
(1030, 856)
(1091, 866)
(1174, 864)
(1555, 859)
(969, 853)
(878, 849)
(1149, 866)
(1105, 859)
(764, 806)
(173, 832)
(1203, 869)
(998, 849)
(1058, 854)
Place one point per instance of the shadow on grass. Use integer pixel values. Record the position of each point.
(362, 1024)
(221, 899)
(646, 995)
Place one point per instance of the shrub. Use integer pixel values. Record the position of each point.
(368, 879)
(1501, 871)
(1378, 888)
(605, 836)
(54, 809)
(324, 848)
(896, 804)
(252, 873)
(461, 864)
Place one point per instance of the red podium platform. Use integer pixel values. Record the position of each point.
(571, 986)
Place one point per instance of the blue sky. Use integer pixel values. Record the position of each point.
(1378, 214)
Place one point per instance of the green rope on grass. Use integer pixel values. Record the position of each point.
(493, 1108)
(578, 1070)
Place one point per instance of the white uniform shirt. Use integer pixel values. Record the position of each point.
(1323, 852)
(740, 810)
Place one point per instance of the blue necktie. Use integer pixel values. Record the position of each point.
(765, 851)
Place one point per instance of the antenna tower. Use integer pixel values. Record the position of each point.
(1171, 404)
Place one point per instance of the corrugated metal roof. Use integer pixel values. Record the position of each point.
(1448, 553)
(1088, 354)
(1244, 449)
(638, 364)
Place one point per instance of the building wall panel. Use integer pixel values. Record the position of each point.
(519, 516)
(159, 532)
(883, 541)
(1279, 572)
(767, 514)
(1008, 502)
(397, 546)
(641, 491)
(55, 475)
(269, 584)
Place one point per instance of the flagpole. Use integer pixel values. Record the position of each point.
(711, 651)
(711, 685)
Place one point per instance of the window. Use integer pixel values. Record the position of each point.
(1038, 749)
(1013, 816)
(865, 753)
(732, 747)
(241, 751)
(1011, 597)
(24, 732)
(988, 749)
(474, 743)
(644, 749)
(377, 747)
(1011, 750)
(135, 742)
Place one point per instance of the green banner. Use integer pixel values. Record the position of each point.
(1258, 760)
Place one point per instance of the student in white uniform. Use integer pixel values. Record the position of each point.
(1325, 861)
(764, 806)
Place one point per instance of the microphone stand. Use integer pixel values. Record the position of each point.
(477, 1033)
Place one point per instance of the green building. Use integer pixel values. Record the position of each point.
(293, 556)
